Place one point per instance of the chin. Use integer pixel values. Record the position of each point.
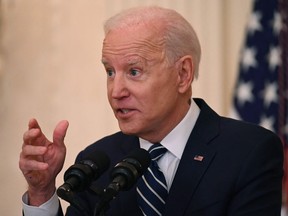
(129, 130)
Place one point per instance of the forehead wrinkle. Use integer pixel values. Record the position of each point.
(145, 46)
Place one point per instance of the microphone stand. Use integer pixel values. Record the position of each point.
(108, 194)
(70, 197)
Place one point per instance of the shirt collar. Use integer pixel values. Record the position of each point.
(176, 140)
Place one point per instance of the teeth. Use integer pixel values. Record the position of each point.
(124, 111)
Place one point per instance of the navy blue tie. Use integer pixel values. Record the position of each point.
(152, 188)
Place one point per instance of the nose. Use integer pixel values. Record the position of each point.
(118, 87)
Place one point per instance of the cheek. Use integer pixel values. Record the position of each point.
(157, 93)
(165, 98)
(108, 93)
(153, 101)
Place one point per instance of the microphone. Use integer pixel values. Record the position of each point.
(126, 173)
(80, 175)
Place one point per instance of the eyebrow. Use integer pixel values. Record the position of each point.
(133, 61)
(130, 62)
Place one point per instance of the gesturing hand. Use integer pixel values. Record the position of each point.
(41, 160)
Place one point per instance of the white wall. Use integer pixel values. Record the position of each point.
(50, 69)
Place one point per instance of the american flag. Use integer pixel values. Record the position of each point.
(261, 90)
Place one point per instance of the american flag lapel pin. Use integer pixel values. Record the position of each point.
(198, 158)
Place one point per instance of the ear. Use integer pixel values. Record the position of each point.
(185, 73)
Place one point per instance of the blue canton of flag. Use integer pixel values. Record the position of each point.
(259, 97)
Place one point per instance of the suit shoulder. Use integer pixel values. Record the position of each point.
(243, 125)
(111, 140)
(242, 130)
(110, 144)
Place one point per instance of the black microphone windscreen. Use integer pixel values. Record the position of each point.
(100, 162)
(80, 175)
(141, 156)
(126, 172)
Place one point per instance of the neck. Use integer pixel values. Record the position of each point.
(158, 136)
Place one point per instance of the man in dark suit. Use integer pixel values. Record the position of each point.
(213, 165)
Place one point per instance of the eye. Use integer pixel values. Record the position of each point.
(110, 72)
(134, 72)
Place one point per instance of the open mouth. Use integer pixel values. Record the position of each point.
(124, 111)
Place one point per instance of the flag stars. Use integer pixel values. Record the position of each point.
(249, 58)
(270, 94)
(267, 122)
(277, 23)
(274, 57)
(254, 23)
(244, 93)
(261, 93)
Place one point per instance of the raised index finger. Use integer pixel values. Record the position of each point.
(34, 135)
(33, 124)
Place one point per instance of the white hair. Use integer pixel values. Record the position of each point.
(179, 36)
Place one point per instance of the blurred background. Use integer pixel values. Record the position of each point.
(50, 69)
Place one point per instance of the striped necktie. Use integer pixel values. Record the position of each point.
(151, 188)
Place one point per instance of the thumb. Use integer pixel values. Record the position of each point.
(60, 132)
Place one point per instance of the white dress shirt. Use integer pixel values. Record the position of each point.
(49, 208)
(174, 142)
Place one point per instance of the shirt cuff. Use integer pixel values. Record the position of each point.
(49, 208)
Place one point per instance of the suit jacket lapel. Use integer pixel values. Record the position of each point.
(192, 166)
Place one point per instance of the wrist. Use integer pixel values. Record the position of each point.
(37, 197)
